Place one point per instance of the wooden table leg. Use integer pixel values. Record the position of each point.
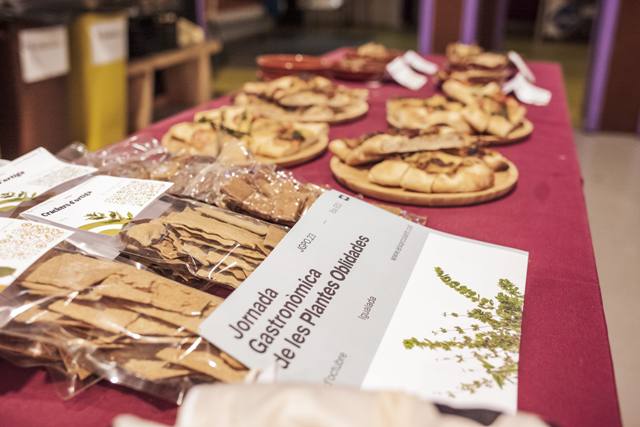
(141, 100)
(188, 83)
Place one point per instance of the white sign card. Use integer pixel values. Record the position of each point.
(22, 243)
(355, 295)
(44, 53)
(102, 204)
(32, 174)
(108, 41)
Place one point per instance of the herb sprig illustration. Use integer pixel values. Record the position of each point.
(6, 271)
(100, 219)
(13, 198)
(491, 331)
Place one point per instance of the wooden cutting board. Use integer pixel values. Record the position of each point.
(355, 178)
(304, 155)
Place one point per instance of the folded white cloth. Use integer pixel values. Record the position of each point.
(278, 405)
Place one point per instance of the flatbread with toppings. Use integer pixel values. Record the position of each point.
(482, 111)
(188, 138)
(284, 143)
(473, 65)
(292, 98)
(432, 169)
(366, 62)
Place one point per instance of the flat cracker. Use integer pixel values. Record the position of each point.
(72, 271)
(190, 323)
(149, 327)
(153, 370)
(203, 362)
(109, 319)
(234, 219)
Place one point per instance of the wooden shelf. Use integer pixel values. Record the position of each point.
(187, 80)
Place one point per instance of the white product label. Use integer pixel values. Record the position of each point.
(404, 75)
(22, 243)
(355, 295)
(102, 204)
(4, 162)
(418, 63)
(108, 41)
(522, 66)
(32, 174)
(526, 91)
(44, 53)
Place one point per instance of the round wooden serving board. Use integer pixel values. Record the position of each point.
(355, 178)
(307, 153)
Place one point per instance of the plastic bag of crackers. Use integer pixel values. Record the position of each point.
(265, 192)
(206, 247)
(98, 318)
(144, 157)
(234, 180)
(23, 243)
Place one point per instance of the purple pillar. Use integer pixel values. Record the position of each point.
(425, 26)
(469, 21)
(501, 19)
(603, 46)
(201, 15)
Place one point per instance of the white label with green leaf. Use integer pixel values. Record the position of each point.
(32, 174)
(355, 295)
(102, 204)
(22, 243)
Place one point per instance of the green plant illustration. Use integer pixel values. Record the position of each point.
(13, 198)
(491, 333)
(6, 271)
(100, 219)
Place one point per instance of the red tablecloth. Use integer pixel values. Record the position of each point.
(566, 373)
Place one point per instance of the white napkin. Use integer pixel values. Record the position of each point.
(219, 405)
(404, 75)
(522, 66)
(526, 91)
(420, 64)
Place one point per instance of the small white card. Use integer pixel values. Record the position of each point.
(108, 41)
(22, 243)
(355, 295)
(32, 174)
(404, 75)
(418, 63)
(522, 66)
(102, 204)
(44, 53)
(526, 91)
